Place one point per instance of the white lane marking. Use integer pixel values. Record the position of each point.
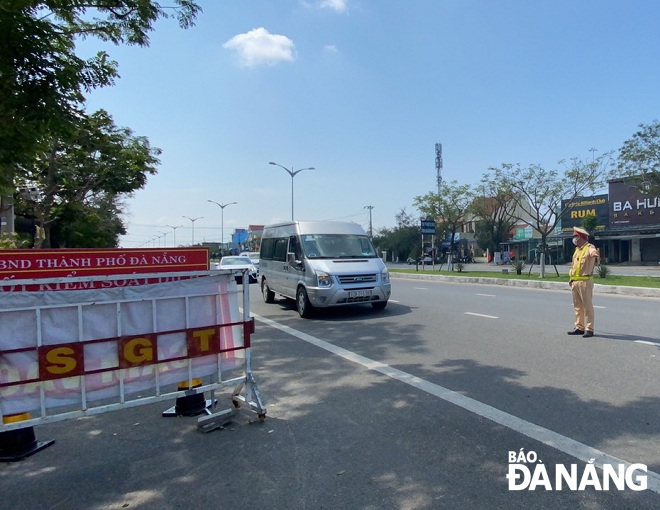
(394, 301)
(595, 306)
(557, 441)
(486, 295)
(647, 343)
(481, 315)
(420, 288)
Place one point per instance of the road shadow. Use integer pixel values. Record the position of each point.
(337, 435)
(350, 313)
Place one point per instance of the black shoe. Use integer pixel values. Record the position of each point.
(588, 334)
(576, 332)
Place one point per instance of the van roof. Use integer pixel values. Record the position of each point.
(320, 227)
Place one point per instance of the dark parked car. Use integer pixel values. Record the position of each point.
(426, 260)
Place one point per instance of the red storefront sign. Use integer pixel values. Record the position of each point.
(31, 264)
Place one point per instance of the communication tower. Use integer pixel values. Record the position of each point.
(438, 164)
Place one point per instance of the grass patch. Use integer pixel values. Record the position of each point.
(550, 276)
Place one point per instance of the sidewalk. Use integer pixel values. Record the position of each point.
(616, 269)
(429, 274)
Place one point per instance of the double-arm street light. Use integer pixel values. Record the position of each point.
(222, 220)
(193, 220)
(164, 238)
(174, 229)
(292, 173)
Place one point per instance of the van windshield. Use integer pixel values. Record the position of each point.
(337, 246)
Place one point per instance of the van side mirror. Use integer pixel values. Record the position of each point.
(291, 259)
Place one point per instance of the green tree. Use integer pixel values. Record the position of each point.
(93, 224)
(639, 159)
(74, 177)
(538, 192)
(43, 81)
(494, 209)
(589, 223)
(403, 240)
(449, 208)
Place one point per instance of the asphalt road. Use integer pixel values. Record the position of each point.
(414, 407)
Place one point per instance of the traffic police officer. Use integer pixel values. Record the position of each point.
(581, 281)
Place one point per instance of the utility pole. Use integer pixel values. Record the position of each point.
(371, 231)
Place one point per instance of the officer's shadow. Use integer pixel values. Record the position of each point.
(629, 338)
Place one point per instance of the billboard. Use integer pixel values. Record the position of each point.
(575, 210)
(629, 206)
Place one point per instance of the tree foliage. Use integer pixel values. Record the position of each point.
(401, 241)
(449, 208)
(43, 81)
(639, 159)
(90, 168)
(93, 224)
(494, 209)
(539, 192)
(78, 162)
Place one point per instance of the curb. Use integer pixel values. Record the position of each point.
(534, 284)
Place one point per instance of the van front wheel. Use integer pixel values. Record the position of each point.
(269, 295)
(303, 304)
(379, 305)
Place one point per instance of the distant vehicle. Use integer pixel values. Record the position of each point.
(320, 264)
(238, 262)
(254, 256)
(426, 260)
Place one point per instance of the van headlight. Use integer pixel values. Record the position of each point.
(385, 276)
(323, 279)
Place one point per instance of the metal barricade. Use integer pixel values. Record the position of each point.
(113, 342)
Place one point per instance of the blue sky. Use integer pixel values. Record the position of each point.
(362, 90)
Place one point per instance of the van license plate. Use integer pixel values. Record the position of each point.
(359, 293)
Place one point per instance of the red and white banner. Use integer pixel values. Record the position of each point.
(89, 347)
(73, 263)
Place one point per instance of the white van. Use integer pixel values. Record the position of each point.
(320, 264)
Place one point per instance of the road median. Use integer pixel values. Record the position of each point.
(535, 284)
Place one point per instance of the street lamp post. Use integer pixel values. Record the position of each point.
(164, 238)
(193, 220)
(292, 173)
(222, 220)
(174, 233)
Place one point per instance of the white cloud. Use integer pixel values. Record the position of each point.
(259, 47)
(335, 5)
(330, 48)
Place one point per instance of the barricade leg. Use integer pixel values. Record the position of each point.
(17, 444)
(191, 404)
(247, 393)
